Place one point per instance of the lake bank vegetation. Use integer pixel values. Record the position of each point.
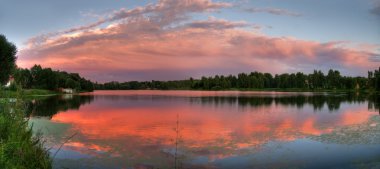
(36, 79)
(316, 81)
(19, 147)
(28, 93)
(46, 78)
(53, 80)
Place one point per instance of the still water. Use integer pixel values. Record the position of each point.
(208, 129)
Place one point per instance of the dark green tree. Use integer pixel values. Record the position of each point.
(374, 80)
(23, 77)
(7, 59)
(333, 79)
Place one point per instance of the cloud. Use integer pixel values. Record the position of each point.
(213, 23)
(166, 43)
(376, 9)
(274, 11)
(164, 12)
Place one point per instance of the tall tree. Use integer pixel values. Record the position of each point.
(374, 79)
(23, 77)
(333, 79)
(7, 59)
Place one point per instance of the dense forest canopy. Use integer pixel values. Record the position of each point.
(46, 78)
(257, 80)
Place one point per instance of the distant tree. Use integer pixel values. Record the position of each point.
(255, 80)
(23, 77)
(205, 84)
(317, 80)
(70, 83)
(300, 80)
(7, 59)
(36, 71)
(268, 80)
(243, 80)
(377, 79)
(333, 79)
(374, 79)
(46, 78)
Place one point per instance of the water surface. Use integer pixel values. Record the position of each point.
(199, 129)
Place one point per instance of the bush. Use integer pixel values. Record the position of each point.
(13, 87)
(216, 88)
(18, 147)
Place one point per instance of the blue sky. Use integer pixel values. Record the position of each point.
(335, 20)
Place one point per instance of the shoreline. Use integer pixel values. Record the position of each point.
(31, 93)
(258, 90)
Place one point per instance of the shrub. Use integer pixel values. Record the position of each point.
(18, 147)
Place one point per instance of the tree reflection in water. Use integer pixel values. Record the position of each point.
(49, 106)
(316, 101)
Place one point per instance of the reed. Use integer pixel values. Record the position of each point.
(19, 147)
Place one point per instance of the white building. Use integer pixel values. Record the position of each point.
(11, 80)
(66, 90)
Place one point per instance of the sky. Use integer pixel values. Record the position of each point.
(124, 40)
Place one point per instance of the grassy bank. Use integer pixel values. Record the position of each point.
(27, 93)
(271, 90)
(19, 148)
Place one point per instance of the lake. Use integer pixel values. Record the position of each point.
(209, 129)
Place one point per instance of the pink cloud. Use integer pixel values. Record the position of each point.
(164, 12)
(168, 40)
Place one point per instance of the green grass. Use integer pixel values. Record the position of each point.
(19, 148)
(39, 92)
(27, 93)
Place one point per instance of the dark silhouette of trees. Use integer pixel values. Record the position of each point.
(257, 80)
(7, 59)
(23, 77)
(374, 79)
(46, 78)
(333, 79)
(50, 106)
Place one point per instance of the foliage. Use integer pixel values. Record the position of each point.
(374, 79)
(257, 80)
(13, 87)
(7, 59)
(29, 93)
(19, 148)
(46, 78)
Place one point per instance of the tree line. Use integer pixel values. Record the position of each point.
(46, 78)
(257, 80)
